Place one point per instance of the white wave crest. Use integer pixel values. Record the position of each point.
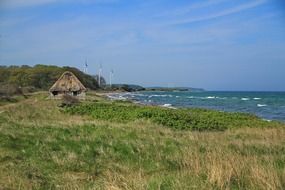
(261, 105)
(168, 106)
(158, 95)
(245, 99)
(115, 97)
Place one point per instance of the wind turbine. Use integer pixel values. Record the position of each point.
(99, 75)
(85, 66)
(111, 77)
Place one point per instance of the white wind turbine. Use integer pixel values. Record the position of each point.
(99, 75)
(85, 66)
(111, 77)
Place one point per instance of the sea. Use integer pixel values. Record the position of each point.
(267, 105)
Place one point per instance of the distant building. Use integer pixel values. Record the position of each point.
(67, 84)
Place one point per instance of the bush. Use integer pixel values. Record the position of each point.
(193, 119)
(68, 101)
(7, 90)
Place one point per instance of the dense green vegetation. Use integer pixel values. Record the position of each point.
(15, 80)
(193, 119)
(40, 76)
(42, 147)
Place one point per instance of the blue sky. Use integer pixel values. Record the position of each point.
(213, 44)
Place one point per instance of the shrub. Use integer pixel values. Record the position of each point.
(193, 119)
(7, 90)
(68, 101)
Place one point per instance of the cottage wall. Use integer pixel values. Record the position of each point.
(80, 95)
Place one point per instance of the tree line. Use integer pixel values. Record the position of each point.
(41, 77)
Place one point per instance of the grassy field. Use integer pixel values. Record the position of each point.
(43, 146)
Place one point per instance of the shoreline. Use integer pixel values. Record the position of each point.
(110, 96)
(120, 97)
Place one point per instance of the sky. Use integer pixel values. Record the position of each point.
(211, 44)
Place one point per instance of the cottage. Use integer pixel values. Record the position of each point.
(68, 84)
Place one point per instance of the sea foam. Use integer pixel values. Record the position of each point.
(261, 105)
(158, 95)
(168, 106)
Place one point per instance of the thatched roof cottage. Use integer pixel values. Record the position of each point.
(68, 84)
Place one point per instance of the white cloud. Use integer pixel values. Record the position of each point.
(189, 8)
(8, 4)
(24, 3)
(226, 12)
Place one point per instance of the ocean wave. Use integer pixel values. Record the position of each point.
(168, 106)
(202, 98)
(135, 94)
(261, 105)
(207, 97)
(216, 97)
(114, 97)
(257, 98)
(245, 99)
(158, 95)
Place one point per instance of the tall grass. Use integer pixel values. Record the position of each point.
(42, 147)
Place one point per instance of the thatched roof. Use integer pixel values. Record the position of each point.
(66, 83)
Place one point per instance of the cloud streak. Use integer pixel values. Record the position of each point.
(16, 4)
(223, 13)
(189, 8)
(24, 3)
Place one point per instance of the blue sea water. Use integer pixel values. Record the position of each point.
(267, 105)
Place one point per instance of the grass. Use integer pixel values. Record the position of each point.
(182, 119)
(42, 147)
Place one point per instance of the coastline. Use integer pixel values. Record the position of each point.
(113, 97)
(257, 103)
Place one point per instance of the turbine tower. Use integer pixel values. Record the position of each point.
(99, 75)
(111, 77)
(85, 66)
